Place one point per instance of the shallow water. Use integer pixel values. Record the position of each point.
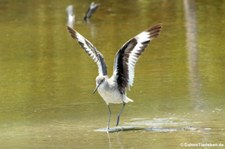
(47, 80)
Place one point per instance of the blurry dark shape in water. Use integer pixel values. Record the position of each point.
(70, 16)
(120, 128)
(92, 8)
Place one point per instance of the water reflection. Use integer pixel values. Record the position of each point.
(193, 54)
(118, 143)
(155, 126)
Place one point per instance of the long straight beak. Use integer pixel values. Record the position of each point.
(97, 87)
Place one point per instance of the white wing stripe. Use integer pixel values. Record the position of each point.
(90, 50)
(81, 39)
(133, 57)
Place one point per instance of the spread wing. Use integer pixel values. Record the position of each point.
(127, 56)
(90, 50)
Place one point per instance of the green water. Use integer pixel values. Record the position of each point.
(46, 80)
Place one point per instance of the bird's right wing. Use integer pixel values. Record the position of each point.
(90, 50)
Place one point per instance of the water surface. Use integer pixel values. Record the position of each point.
(47, 80)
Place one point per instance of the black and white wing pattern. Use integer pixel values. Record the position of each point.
(128, 55)
(90, 50)
(91, 9)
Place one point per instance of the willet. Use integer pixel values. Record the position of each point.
(91, 9)
(113, 89)
(70, 16)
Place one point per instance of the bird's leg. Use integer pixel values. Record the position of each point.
(118, 117)
(109, 116)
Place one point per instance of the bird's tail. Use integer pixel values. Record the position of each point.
(128, 100)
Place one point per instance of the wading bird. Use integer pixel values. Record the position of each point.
(70, 16)
(91, 9)
(113, 89)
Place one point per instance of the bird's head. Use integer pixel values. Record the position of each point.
(99, 81)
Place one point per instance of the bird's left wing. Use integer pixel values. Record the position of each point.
(90, 50)
(128, 55)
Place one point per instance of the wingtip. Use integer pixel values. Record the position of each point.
(71, 31)
(69, 28)
(154, 30)
(155, 27)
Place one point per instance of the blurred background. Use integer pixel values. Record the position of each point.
(46, 79)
